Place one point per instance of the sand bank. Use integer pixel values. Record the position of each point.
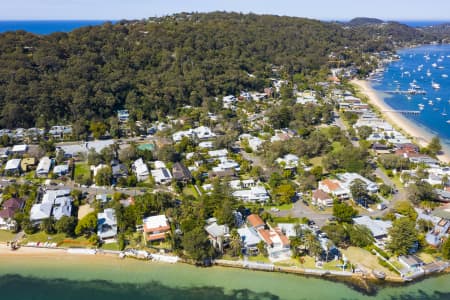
(420, 135)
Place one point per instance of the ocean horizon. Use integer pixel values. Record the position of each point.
(52, 26)
(48, 26)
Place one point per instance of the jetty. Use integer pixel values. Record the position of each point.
(406, 92)
(406, 112)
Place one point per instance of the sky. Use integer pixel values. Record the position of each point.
(138, 9)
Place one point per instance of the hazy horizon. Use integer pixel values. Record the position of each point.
(401, 10)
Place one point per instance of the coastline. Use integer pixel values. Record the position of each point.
(419, 135)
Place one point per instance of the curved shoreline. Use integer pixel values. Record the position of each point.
(420, 135)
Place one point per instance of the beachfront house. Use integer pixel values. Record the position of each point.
(155, 228)
(250, 240)
(107, 224)
(217, 234)
(378, 228)
(9, 208)
(56, 203)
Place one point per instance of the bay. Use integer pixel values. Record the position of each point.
(96, 277)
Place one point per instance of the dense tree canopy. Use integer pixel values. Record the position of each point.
(154, 66)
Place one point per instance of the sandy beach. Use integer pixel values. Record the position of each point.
(420, 135)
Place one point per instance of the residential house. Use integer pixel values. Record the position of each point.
(255, 221)
(322, 198)
(155, 228)
(107, 224)
(28, 163)
(12, 167)
(61, 170)
(44, 166)
(347, 179)
(378, 228)
(288, 162)
(9, 208)
(411, 262)
(277, 244)
(181, 173)
(218, 153)
(254, 194)
(54, 202)
(140, 169)
(217, 234)
(440, 232)
(250, 240)
(333, 187)
(19, 149)
(123, 116)
(119, 171)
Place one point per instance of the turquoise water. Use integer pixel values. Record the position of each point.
(75, 277)
(413, 67)
(47, 27)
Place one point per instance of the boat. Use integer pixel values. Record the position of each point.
(379, 274)
(444, 76)
(438, 99)
(448, 121)
(443, 113)
(421, 106)
(441, 67)
(430, 102)
(434, 65)
(435, 85)
(428, 73)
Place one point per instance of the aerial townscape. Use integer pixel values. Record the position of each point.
(223, 140)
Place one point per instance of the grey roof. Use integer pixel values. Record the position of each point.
(216, 230)
(377, 227)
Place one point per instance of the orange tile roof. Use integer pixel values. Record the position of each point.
(265, 234)
(255, 220)
(284, 239)
(157, 236)
(319, 194)
(332, 185)
(158, 229)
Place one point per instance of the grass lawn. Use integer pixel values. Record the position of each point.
(43, 237)
(316, 161)
(6, 235)
(284, 206)
(82, 170)
(111, 246)
(286, 220)
(364, 258)
(190, 191)
(427, 258)
(259, 258)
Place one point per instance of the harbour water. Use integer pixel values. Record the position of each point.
(47, 27)
(425, 69)
(93, 277)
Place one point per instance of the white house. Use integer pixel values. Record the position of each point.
(44, 167)
(378, 228)
(161, 176)
(289, 161)
(61, 170)
(107, 224)
(19, 149)
(347, 180)
(254, 194)
(218, 153)
(334, 187)
(140, 169)
(12, 166)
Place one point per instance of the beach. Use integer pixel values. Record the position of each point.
(420, 135)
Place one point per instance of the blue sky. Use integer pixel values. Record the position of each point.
(137, 9)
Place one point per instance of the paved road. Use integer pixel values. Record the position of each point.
(338, 122)
(300, 210)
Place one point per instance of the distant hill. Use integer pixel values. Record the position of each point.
(364, 21)
(152, 67)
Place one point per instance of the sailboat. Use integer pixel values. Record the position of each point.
(435, 85)
(444, 113)
(428, 73)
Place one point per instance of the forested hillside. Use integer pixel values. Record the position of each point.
(152, 67)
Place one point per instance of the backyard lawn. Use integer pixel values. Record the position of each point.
(364, 258)
(6, 235)
(82, 172)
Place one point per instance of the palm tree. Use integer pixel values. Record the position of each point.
(235, 243)
(312, 245)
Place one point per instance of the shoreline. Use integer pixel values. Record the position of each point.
(418, 134)
(364, 283)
